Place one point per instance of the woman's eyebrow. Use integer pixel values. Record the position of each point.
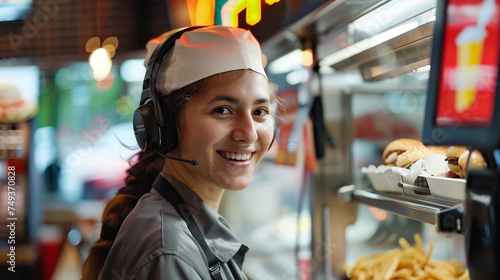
(227, 98)
(233, 100)
(262, 101)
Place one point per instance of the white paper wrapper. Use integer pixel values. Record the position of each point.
(387, 178)
(446, 187)
(453, 188)
(435, 164)
(383, 178)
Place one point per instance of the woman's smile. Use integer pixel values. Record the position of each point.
(235, 156)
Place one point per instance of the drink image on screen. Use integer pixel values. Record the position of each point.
(470, 49)
(470, 44)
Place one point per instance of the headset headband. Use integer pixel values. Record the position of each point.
(149, 86)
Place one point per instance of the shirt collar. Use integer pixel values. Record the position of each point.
(221, 240)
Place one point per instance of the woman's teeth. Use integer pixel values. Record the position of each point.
(236, 156)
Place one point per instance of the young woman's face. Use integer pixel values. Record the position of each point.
(227, 128)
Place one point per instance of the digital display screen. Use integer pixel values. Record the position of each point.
(469, 64)
(14, 9)
(19, 91)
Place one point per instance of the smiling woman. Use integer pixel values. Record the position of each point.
(206, 97)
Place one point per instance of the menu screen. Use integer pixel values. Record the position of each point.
(469, 63)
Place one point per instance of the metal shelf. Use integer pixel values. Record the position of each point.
(446, 215)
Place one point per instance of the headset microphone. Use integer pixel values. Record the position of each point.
(192, 162)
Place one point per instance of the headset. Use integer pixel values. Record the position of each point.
(154, 127)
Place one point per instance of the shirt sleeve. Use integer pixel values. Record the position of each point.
(168, 267)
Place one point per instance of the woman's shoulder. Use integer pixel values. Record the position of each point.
(152, 231)
(153, 223)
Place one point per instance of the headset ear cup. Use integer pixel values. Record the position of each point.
(168, 133)
(146, 130)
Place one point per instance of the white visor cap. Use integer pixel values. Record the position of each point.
(206, 51)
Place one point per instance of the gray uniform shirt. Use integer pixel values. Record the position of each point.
(154, 242)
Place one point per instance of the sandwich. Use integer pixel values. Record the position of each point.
(396, 148)
(476, 161)
(452, 155)
(408, 158)
(13, 107)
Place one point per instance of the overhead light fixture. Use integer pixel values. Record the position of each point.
(101, 63)
(100, 57)
(367, 43)
(383, 24)
(307, 58)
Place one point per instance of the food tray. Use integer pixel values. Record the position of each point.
(453, 188)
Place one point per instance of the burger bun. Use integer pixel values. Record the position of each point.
(397, 147)
(476, 161)
(411, 156)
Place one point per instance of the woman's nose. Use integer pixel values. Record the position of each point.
(244, 129)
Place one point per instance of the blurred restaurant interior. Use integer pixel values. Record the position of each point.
(353, 75)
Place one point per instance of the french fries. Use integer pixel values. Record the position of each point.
(406, 263)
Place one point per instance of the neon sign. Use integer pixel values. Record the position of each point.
(225, 12)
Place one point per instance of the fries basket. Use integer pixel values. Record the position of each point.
(406, 262)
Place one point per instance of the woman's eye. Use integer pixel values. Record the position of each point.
(261, 112)
(221, 110)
